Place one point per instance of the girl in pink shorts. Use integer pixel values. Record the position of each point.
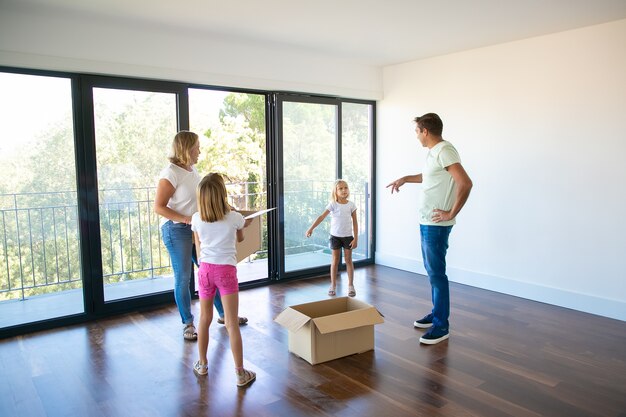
(216, 229)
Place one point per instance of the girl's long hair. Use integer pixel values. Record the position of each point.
(212, 198)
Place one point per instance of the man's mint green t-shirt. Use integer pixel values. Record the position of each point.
(438, 187)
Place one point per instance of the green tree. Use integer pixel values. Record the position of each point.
(236, 147)
(250, 106)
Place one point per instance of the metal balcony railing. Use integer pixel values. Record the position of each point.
(39, 235)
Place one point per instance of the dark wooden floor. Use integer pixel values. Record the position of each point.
(505, 357)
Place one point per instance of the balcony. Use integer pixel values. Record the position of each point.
(40, 271)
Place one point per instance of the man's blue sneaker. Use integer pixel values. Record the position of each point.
(434, 336)
(425, 322)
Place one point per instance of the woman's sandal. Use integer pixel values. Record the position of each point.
(242, 320)
(332, 292)
(245, 377)
(351, 291)
(189, 332)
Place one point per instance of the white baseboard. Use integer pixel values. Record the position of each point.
(582, 302)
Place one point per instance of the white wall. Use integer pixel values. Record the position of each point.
(539, 124)
(34, 38)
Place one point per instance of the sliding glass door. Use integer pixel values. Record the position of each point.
(232, 131)
(40, 263)
(133, 123)
(357, 132)
(133, 131)
(321, 140)
(309, 154)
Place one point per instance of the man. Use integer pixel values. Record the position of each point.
(445, 189)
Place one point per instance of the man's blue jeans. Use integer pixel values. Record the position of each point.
(177, 238)
(434, 240)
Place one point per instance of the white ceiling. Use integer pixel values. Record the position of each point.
(370, 32)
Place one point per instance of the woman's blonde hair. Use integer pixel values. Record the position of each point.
(212, 198)
(333, 194)
(183, 143)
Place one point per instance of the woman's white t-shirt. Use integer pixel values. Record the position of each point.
(218, 239)
(185, 182)
(341, 218)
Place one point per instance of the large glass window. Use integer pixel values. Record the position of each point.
(356, 162)
(40, 271)
(78, 232)
(231, 127)
(309, 171)
(133, 130)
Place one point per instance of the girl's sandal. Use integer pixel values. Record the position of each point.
(351, 291)
(332, 292)
(200, 369)
(189, 332)
(245, 377)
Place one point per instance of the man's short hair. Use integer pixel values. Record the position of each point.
(430, 121)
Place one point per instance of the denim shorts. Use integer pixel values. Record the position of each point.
(340, 242)
(213, 276)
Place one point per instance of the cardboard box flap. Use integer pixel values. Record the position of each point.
(252, 214)
(252, 234)
(292, 320)
(348, 320)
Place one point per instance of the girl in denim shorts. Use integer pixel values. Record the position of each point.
(344, 232)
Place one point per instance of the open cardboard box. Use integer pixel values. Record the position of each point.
(329, 329)
(252, 242)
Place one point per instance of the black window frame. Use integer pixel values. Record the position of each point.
(87, 189)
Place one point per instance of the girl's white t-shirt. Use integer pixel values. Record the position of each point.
(185, 182)
(341, 218)
(218, 239)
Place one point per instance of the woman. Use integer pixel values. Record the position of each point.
(175, 201)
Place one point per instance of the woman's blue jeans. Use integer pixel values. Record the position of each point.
(434, 240)
(177, 238)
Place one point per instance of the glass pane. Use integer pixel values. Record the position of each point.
(134, 130)
(40, 273)
(231, 127)
(356, 168)
(309, 159)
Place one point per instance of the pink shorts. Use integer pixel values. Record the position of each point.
(212, 276)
